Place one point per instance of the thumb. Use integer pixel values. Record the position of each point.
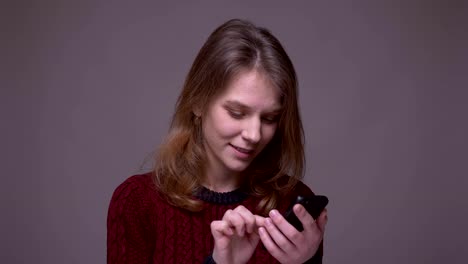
(259, 221)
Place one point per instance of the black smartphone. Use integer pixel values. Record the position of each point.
(313, 204)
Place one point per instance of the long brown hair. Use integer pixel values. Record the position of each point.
(235, 46)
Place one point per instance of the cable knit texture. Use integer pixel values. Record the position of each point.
(143, 228)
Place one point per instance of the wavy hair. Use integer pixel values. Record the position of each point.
(235, 46)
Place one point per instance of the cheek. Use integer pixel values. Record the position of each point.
(225, 127)
(268, 133)
(228, 129)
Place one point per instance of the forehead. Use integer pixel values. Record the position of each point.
(252, 89)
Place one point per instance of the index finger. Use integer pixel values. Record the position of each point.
(284, 226)
(249, 218)
(306, 219)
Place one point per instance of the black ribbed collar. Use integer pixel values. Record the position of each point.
(210, 196)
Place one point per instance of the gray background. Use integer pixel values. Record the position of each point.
(88, 87)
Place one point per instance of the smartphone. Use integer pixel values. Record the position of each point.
(313, 204)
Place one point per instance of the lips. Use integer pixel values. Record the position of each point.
(243, 150)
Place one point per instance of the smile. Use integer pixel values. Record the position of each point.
(243, 150)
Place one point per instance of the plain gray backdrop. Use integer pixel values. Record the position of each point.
(88, 89)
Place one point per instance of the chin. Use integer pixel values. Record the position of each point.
(237, 167)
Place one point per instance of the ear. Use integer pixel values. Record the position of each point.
(197, 111)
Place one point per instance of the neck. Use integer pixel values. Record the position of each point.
(221, 182)
(220, 187)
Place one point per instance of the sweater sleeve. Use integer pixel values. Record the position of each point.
(129, 236)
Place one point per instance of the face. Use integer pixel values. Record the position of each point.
(239, 123)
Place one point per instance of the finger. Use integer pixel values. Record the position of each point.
(270, 245)
(312, 233)
(235, 220)
(254, 237)
(285, 227)
(259, 221)
(221, 228)
(282, 232)
(248, 217)
(306, 219)
(322, 220)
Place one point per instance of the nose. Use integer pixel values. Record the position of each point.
(252, 130)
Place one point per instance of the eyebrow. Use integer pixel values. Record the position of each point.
(235, 103)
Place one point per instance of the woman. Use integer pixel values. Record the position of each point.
(230, 166)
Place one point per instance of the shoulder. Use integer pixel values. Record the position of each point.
(139, 181)
(136, 192)
(130, 220)
(302, 189)
(299, 188)
(136, 184)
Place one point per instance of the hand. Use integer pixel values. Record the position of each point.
(288, 245)
(235, 236)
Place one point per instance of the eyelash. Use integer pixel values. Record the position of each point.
(236, 114)
(270, 120)
(239, 115)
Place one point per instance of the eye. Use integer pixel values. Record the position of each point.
(235, 114)
(270, 119)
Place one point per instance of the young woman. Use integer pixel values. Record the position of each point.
(230, 166)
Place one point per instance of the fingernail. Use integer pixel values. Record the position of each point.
(274, 213)
(268, 222)
(299, 209)
(261, 230)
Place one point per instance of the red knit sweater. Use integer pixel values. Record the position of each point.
(143, 228)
